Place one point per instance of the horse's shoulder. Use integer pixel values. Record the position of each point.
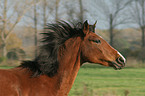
(7, 73)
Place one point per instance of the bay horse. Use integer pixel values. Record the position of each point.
(64, 50)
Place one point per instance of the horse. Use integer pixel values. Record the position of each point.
(65, 48)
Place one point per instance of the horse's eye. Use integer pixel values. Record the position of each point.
(97, 41)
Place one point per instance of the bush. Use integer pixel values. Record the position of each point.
(16, 54)
(2, 59)
(12, 56)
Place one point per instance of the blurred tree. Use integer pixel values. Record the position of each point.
(35, 25)
(56, 9)
(71, 11)
(138, 16)
(44, 4)
(16, 54)
(39, 13)
(46, 8)
(141, 55)
(13, 42)
(81, 11)
(114, 14)
(12, 13)
(120, 43)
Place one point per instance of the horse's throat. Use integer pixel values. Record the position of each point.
(68, 71)
(66, 80)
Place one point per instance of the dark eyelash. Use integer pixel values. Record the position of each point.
(97, 41)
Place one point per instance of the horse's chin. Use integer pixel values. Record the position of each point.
(116, 65)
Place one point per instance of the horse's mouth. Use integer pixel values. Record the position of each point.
(117, 66)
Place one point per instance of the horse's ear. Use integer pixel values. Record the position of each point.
(86, 27)
(95, 24)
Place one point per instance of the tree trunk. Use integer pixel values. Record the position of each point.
(4, 53)
(3, 35)
(143, 37)
(81, 11)
(143, 45)
(143, 20)
(111, 30)
(44, 13)
(35, 27)
(56, 9)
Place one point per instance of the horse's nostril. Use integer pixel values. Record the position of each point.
(120, 60)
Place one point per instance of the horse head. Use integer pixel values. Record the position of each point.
(96, 50)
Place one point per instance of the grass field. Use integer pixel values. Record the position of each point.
(105, 81)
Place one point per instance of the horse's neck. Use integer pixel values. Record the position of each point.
(69, 66)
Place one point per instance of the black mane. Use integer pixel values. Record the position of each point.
(54, 36)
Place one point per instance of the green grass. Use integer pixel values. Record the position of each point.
(105, 81)
(6, 67)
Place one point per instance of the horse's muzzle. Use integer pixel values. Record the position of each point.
(118, 64)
